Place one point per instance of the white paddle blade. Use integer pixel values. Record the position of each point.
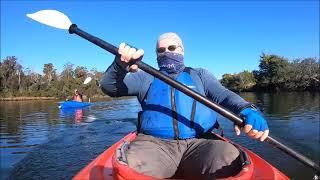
(87, 80)
(52, 18)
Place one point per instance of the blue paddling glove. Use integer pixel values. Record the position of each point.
(254, 118)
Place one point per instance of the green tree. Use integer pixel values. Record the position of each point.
(1, 78)
(15, 81)
(304, 74)
(246, 81)
(11, 73)
(230, 81)
(67, 80)
(92, 88)
(272, 72)
(49, 73)
(243, 81)
(81, 72)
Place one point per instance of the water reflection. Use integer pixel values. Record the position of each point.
(283, 104)
(294, 119)
(79, 137)
(40, 141)
(75, 113)
(24, 125)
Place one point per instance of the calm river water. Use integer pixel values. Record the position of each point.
(39, 141)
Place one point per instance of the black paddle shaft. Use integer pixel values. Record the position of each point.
(219, 109)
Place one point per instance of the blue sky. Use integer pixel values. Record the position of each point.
(223, 37)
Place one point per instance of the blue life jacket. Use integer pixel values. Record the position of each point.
(170, 114)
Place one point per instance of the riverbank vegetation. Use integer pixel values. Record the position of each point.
(16, 81)
(275, 73)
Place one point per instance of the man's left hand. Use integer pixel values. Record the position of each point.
(255, 125)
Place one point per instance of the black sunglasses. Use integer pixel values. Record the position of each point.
(170, 48)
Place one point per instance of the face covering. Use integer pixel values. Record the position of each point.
(170, 62)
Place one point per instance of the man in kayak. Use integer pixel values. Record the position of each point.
(173, 126)
(77, 96)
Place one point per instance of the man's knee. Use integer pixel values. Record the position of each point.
(220, 154)
(224, 151)
(222, 160)
(147, 158)
(212, 159)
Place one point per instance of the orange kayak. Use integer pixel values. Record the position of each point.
(108, 165)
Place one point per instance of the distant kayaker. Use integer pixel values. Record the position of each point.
(77, 96)
(171, 140)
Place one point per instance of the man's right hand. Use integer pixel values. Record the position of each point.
(128, 54)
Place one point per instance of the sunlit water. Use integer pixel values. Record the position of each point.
(39, 141)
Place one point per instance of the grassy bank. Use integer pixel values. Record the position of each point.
(26, 98)
(85, 98)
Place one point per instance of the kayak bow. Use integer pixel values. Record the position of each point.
(109, 165)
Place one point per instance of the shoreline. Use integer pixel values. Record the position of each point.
(24, 98)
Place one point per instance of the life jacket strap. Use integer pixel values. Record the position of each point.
(139, 122)
(193, 112)
(174, 115)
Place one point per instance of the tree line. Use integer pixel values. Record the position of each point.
(277, 73)
(16, 81)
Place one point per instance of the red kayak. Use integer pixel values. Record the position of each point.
(109, 165)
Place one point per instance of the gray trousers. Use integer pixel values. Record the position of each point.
(195, 158)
